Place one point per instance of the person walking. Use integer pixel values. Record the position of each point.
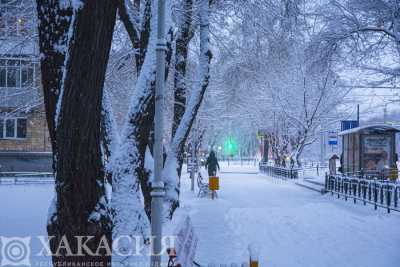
(212, 164)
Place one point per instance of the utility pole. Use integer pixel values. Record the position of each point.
(194, 157)
(385, 114)
(158, 191)
(322, 152)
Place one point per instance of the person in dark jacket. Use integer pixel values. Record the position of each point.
(212, 164)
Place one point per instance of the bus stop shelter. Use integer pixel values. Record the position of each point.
(369, 150)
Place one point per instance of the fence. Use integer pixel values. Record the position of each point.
(26, 161)
(279, 172)
(314, 164)
(240, 161)
(380, 193)
(314, 169)
(7, 178)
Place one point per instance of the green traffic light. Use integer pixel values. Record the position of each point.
(230, 147)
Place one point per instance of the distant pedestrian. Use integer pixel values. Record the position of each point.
(283, 164)
(212, 164)
(291, 162)
(332, 164)
(340, 169)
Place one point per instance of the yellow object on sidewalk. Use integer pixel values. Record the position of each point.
(213, 183)
(393, 174)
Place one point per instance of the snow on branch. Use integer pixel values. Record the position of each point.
(194, 103)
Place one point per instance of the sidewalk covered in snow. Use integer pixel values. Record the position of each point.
(292, 226)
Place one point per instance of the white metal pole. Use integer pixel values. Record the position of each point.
(194, 159)
(385, 114)
(322, 152)
(158, 191)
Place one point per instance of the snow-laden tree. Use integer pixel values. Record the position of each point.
(270, 75)
(363, 34)
(75, 39)
(132, 160)
(120, 157)
(172, 164)
(306, 103)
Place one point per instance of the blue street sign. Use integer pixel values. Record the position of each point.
(332, 138)
(347, 125)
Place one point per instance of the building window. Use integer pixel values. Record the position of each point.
(21, 128)
(13, 18)
(13, 128)
(17, 73)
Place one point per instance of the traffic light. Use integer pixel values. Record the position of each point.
(230, 147)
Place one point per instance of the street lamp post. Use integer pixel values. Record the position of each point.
(385, 113)
(194, 159)
(158, 190)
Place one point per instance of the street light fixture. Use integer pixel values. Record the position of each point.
(158, 191)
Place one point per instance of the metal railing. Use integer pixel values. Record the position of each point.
(279, 172)
(7, 178)
(239, 161)
(380, 193)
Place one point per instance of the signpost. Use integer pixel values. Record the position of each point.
(333, 140)
(185, 243)
(192, 163)
(192, 168)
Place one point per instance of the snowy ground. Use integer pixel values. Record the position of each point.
(24, 211)
(292, 226)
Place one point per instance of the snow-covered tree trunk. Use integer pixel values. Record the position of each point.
(203, 76)
(81, 207)
(141, 116)
(183, 38)
(129, 14)
(109, 138)
(54, 20)
(131, 186)
(127, 202)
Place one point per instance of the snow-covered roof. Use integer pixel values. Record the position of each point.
(375, 127)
